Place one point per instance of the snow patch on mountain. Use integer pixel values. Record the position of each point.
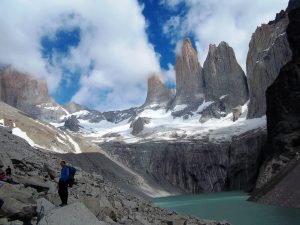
(1, 122)
(22, 134)
(76, 146)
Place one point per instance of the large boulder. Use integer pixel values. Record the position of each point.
(18, 202)
(138, 125)
(74, 214)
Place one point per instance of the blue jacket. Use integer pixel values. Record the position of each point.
(64, 174)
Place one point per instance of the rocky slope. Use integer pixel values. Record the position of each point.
(268, 52)
(92, 200)
(283, 122)
(223, 76)
(189, 77)
(28, 94)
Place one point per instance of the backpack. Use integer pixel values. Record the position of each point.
(71, 179)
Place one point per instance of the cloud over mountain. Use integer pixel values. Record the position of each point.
(110, 61)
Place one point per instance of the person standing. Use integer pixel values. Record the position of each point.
(8, 174)
(63, 183)
(1, 201)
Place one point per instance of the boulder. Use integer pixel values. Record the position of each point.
(44, 206)
(74, 214)
(138, 125)
(35, 182)
(18, 202)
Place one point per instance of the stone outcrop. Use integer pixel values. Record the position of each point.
(283, 123)
(223, 76)
(196, 166)
(189, 77)
(77, 213)
(157, 92)
(28, 94)
(138, 125)
(72, 124)
(268, 52)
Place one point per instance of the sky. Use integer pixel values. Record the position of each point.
(101, 53)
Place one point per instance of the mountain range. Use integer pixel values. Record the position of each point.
(220, 129)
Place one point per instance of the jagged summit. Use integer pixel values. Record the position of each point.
(223, 76)
(157, 92)
(189, 78)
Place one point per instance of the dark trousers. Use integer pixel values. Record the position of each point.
(63, 192)
(1, 203)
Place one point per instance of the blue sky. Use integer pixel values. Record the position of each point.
(101, 53)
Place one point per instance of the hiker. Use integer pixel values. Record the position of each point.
(2, 176)
(1, 201)
(8, 174)
(63, 183)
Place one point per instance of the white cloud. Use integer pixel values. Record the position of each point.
(171, 4)
(232, 21)
(113, 38)
(169, 74)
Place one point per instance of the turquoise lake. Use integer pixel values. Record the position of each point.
(232, 207)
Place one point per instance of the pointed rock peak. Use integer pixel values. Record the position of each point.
(187, 46)
(224, 44)
(155, 79)
(187, 43)
(223, 49)
(157, 92)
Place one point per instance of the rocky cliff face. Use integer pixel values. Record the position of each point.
(19, 90)
(195, 166)
(268, 52)
(189, 77)
(157, 92)
(283, 123)
(223, 76)
(29, 95)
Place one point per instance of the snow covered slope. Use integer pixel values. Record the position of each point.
(164, 126)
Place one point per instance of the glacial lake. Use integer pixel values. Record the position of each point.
(230, 206)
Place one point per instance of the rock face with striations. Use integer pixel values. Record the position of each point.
(224, 77)
(189, 78)
(28, 94)
(195, 166)
(268, 52)
(283, 123)
(157, 92)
